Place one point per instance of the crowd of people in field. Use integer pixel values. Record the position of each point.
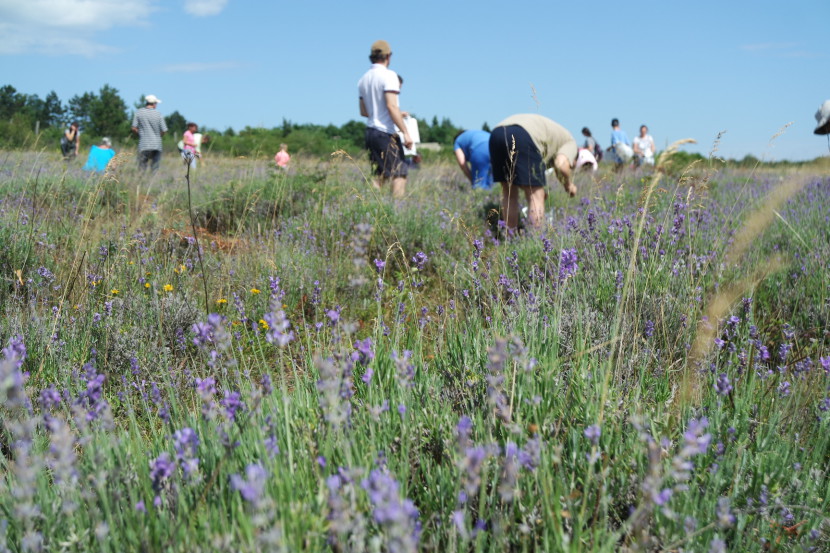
(518, 153)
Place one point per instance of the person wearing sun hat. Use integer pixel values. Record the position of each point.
(378, 91)
(150, 126)
(823, 118)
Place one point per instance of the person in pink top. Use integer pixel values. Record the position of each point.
(189, 143)
(282, 158)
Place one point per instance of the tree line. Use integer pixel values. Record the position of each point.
(28, 121)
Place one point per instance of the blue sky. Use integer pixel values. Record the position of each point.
(687, 70)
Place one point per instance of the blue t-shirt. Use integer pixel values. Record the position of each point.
(98, 159)
(476, 147)
(619, 136)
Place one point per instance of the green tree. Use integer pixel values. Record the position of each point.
(80, 108)
(108, 114)
(52, 112)
(485, 127)
(11, 103)
(176, 123)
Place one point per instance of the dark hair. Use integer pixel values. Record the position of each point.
(459, 133)
(615, 122)
(586, 131)
(192, 124)
(643, 127)
(377, 56)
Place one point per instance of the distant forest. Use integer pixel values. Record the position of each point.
(28, 121)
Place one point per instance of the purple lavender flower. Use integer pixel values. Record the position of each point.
(278, 328)
(380, 265)
(186, 443)
(419, 260)
(397, 518)
(593, 434)
(722, 385)
(568, 264)
(404, 369)
(161, 469)
(232, 402)
(15, 351)
(252, 487)
(496, 359)
(364, 351)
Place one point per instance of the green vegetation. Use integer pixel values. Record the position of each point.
(650, 373)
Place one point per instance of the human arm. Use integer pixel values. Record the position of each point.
(462, 162)
(562, 167)
(395, 113)
(637, 150)
(77, 142)
(363, 111)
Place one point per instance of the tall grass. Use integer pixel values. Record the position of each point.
(392, 376)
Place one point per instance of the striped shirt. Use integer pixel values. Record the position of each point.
(150, 125)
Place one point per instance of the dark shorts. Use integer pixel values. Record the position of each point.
(515, 158)
(386, 153)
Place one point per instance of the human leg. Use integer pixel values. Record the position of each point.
(398, 187)
(155, 160)
(535, 196)
(142, 160)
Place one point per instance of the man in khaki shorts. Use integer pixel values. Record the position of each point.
(522, 147)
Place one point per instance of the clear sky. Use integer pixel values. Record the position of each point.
(686, 69)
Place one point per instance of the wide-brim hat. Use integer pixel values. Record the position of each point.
(823, 118)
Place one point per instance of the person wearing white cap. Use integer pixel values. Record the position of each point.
(823, 118)
(150, 126)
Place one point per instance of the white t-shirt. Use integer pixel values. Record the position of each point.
(372, 89)
(646, 145)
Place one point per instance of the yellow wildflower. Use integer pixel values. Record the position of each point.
(255, 291)
(168, 287)
(264, 324)
(146, 284)
(114, 291)
(221, 301)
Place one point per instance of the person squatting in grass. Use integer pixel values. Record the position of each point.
(521, 148)
(378, 91)
(71, 141)
(150, 126)
(99, 156)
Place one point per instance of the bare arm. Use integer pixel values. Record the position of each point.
(562, 166)
(395, 113)
(462, 162)
(363, 110)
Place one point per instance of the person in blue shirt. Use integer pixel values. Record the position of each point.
(473, 147)
(620, 144)
(100, 156)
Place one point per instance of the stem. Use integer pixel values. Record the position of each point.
(196, 239)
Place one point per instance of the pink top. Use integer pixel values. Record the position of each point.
(282, 158)
(189, 141)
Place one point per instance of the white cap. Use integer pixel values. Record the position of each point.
(151, 99)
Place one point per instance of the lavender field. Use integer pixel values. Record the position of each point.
(323, 368)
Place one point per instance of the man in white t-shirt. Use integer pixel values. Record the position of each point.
(378, 90)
